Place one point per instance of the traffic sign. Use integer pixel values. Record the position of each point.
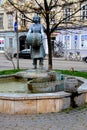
(15, 26)
(76, 37)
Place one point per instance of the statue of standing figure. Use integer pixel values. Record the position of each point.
(35, 37)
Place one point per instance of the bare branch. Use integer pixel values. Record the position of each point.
(13, 4)
(52, 30)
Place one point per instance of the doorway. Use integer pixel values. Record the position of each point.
(22, 44)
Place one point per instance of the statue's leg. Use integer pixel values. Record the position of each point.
(41, 63)
(35, 63)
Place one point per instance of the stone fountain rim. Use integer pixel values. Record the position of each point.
(62, 94)
(33, 103)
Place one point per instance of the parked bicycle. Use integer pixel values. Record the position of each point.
(58, 49)
(75, 57)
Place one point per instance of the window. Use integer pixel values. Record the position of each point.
(0, 2)
(52, 17)
(10, 20)
(67, 13)
(11, 43)
(23, 21)
(83, 41)
(84, 12)
(1, 21)
(2, 41)
(67, 41)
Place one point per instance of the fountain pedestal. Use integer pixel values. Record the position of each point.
(32, 74)
(41, 80)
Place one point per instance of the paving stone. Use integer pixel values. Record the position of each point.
(74, 120)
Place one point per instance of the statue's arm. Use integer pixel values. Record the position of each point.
(42, 32)
(42, 29)
(29, 31)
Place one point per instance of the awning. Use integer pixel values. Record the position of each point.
(55, 34)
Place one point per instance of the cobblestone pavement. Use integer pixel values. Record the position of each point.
(74, 120)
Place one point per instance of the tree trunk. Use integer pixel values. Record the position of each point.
(49, 40)
(49, 52)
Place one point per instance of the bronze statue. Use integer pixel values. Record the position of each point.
(34, 39)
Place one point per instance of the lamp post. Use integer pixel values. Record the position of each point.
(16, 30)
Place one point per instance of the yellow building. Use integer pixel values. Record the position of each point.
(71, 32)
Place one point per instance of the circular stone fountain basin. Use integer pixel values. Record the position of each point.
(21, 85)
(13, 85)
(28, 103)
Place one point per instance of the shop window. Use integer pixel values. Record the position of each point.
(83, 41)
(67, 41)
(1, 44)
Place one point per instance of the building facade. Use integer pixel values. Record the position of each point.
(8, 35)
(73, 31)
(73, 35)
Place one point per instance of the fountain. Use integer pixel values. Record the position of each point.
(37, 90)
(25, 92)
(32, 81)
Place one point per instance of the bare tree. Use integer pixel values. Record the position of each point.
(9, 56)
(48, 10)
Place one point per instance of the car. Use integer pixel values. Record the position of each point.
(24, 54)
(84, 59)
